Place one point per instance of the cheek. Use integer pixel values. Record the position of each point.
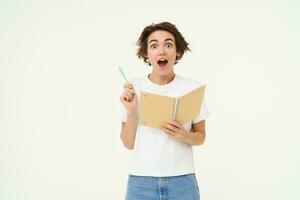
(151, 56)
(172, 52)
(173, 57)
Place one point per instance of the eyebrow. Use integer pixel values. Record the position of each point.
(168, 39)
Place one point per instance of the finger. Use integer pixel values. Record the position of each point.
(134, 98)
(167, 131)
(170, 127)
(174, 123)
(129, 96)
(171, 136)
(129, 90)
(125, 97)
(127, 85)
(129, 93)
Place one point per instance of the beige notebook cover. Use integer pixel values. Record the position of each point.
(157, 108)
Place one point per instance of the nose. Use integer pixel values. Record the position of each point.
(162, 51)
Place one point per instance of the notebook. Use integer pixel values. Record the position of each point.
(154, 109)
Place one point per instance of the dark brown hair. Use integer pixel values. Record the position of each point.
(142, 43)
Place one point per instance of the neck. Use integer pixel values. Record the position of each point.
(161, 80)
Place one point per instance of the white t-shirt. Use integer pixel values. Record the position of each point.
(154, 153)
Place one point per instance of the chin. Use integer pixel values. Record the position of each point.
(164, 73)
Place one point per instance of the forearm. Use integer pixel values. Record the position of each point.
(194, 138)
(129, 131)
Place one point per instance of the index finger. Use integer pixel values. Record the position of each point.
(174, 123)
(127, 85)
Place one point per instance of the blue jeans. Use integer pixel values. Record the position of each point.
(183, 187)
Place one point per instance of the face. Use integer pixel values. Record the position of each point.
(161, 52)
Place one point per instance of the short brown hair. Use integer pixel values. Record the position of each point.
(142, 43)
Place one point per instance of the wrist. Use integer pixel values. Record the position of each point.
(131, 113)
(185, 136)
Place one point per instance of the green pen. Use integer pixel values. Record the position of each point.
(125, 79)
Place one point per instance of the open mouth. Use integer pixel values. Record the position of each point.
(162, 63)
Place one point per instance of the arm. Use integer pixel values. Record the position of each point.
(128, 130)
(197, 136)
(176, 131)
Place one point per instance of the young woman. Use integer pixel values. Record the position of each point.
(162, 165)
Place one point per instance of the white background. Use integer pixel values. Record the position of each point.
(59, 90)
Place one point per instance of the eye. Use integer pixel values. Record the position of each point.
(169, 45)
(153, 46)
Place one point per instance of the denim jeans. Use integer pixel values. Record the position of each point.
(184, 187)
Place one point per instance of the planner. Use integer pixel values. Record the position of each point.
(154, 108)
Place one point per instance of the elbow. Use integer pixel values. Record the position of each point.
(201, 139)
(129, 147)
(201, 143)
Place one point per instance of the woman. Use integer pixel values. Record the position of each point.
(162, 165)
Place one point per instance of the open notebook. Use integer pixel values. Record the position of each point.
(157, 108)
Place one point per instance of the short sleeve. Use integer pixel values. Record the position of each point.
(203, 114)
